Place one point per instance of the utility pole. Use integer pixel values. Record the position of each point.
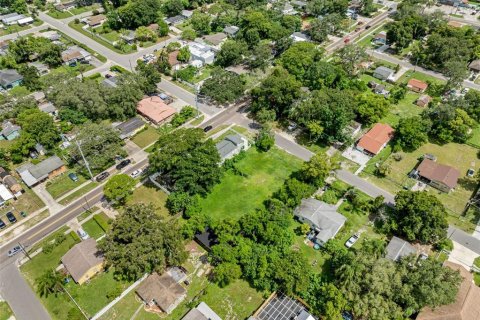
(24, 251)
(84, 160)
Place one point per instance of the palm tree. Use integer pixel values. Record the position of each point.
(49, 282)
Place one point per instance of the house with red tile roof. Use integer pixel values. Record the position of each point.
(417, 85)
(376, 139)
(155, 110)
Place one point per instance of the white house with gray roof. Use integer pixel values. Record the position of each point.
(398, 248)
(10, 78)
(231, 145)
(32, 174)
(383, 73)
(322, 217)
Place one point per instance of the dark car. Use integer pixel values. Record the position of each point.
(2, 224)
(73, 176)
(123, 164)
(11, 217)
(102, 176)
(368, 27)
(207, 128)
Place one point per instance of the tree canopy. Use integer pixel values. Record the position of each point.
(223, 86)
(119, 187)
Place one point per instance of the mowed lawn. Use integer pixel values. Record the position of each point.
(146, 137)
(149, 194)
(236, 195)
(460, 156)
(62, 184)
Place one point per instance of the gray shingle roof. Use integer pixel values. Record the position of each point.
(231, 30)
(384, 71)
(398, 248)
(128, 127)
(31, 173)
(324, 216)
(229, 144)
(8, 128)
(9, 76)
(81, 258)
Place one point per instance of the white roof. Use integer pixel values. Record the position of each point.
(25, 20)
(5, 194)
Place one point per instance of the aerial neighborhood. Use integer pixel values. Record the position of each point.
(260, 160)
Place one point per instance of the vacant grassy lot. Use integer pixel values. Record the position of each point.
(403, 109)
(28, 202)
(59, 14)
(149, 194)
(63, 184)
(236, 195)
(475, 138)
(459, 156)
(146, 137)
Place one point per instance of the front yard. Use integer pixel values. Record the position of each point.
(62, 184)
(236, 195)
(146, 137)
(149, 194)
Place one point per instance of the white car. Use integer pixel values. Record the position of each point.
(14, 251)
(82, 234)
(350, 242)
(136, 173)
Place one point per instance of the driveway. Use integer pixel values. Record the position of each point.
(41, 191)
(462, 255)
(356, 156)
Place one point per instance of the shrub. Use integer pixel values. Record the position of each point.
(118, 69)
(48, 248)
(95, 12)
(397, 156)
(77, 21)
(59, 238)
(115, 291)
(330, 196)
(445, 244)
(75, 236)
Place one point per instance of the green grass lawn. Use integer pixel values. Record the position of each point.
(59, 14)
(93, 229)
(28, 202)
(146, 137)
(476, 278)
(197, 121)
(79, 10)
(460, 156)
(80, 192)
(236, 195)
(403, 109)
(475, 138)
(150, 194)
(5, 311)
(410, 74)
(62, 184)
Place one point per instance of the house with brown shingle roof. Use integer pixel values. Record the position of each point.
(161, 293)
(423, 100)
(96, 20)
(439, 176)
(83, 261)
(466, 305)
(475, 65)
(417, 85)
(376, 139)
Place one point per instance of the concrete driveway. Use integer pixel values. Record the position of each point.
(356, 156)
(462, 255)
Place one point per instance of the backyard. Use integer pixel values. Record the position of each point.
(28, 202)
(264, 173)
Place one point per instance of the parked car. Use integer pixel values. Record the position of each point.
(351, 241)
(11, 217)
(102, 176)
(123, 164)
(136, 173)
(82, 234)
(73, 176)
(2, 224)
(14, 251)
(470, 172)
(207, 128)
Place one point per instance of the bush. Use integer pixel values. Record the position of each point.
(445, 244)
(95, 12)
(134, 47)
(330, 196)
(118, 69)
(115, 292)
(48, 248)
(102, 221)
(75, 236)
(397, 156)
(77, 21)
(94, 76)
(59, 238)
(180, 118)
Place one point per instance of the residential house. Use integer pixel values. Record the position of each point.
(381, 90)
(110, 82)
(439, 176)
(4, 47)
(65, 6)
(398, 248)
(51, 35)
(475, 65)
(9, 131)
(231, 145)
(84, 261)
(130, 127)
(187, 14)
(10, 78)
(49, 108)
(383, 73)
(466, 305)
(375, 139)
(423, 100)
(231, 31)
(42, 68)
(173, 58)
(10, 182)
(5, 194)
(300, 36)
(380, 38)
(3, 173)
(33, 174)
(25, 21)
(38, 96)
(201, 312)
(353, 129)
(40, 149)
(75, 54)
(417, 85)
(161, 293)
(11, 18)
(173, 21)
(155, 110)
(201, 53)
(215, 40)
(129, 37)
(322, 217)
(97, 20)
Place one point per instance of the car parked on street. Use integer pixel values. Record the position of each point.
(207, 128)
(102, 176)
(136, 173)
(2, 224)
(11, 217)
(14, 251)
(351, 241)
(123, 164)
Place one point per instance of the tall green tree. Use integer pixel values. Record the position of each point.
(411, 133)
(49, 282)
(119, 187)
(318, 168)
(223, 86)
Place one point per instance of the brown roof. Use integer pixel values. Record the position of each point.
(81, 258)
(465, 307)
(414, 83)
(163, 290)
(172, 58)
(94, 20)
(71, 56)
(155, 109)
(12, 184)
(374, 139)
(215, 39)
(439, 172)
(153, 26)
(475, 65)
(455, 24)
(424, 99)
